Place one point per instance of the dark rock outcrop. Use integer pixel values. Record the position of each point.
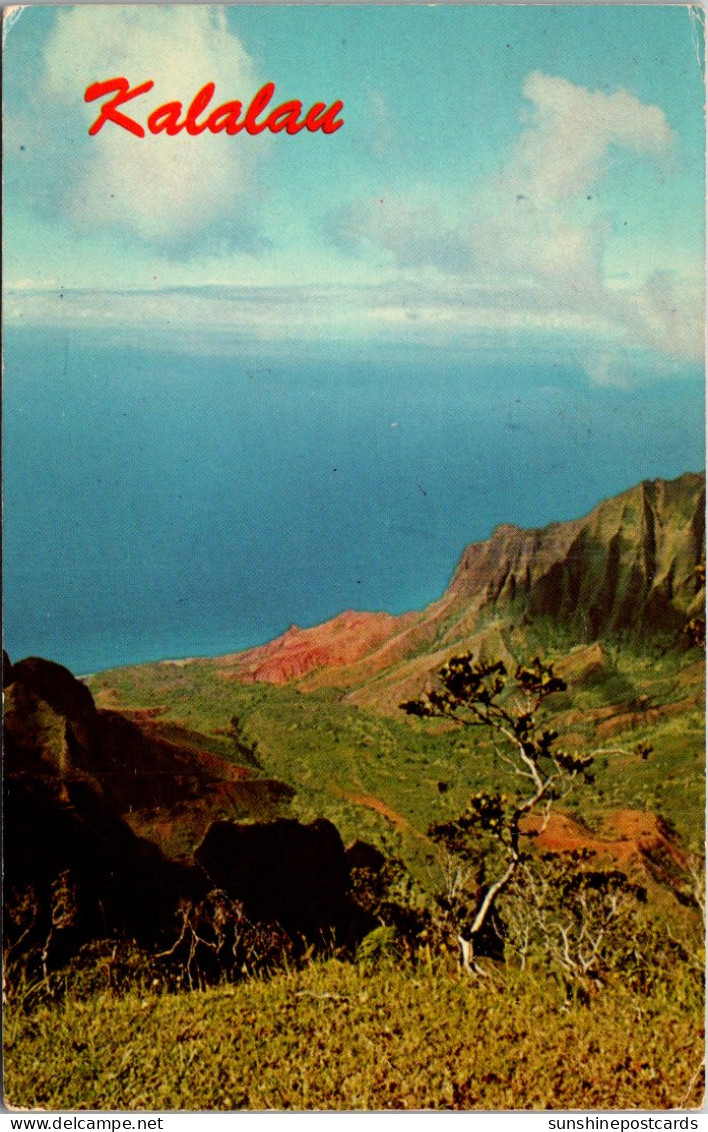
(76, 871)
(282, 871)
(156, 776)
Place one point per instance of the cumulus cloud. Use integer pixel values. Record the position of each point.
(540, 216)
(539, 228)
(670, 310)
(563, 149)
(165, 190)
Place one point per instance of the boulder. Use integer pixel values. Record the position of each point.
(282, 871)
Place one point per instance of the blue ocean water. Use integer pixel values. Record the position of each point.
(159, 504)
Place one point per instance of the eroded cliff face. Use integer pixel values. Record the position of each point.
(140, 815)
(628, 567)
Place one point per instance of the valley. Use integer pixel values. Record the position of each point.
(606, 598)
(173, 824)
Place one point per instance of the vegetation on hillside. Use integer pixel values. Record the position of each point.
(335, 754)
(488, 858)
(599, 955)
(351, 1036)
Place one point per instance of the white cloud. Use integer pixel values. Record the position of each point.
(410, 226)
(539, 229)
(163, 189)
(10, 16)
(415, 315)
(540, 215)
(563, 150)
(671, 310)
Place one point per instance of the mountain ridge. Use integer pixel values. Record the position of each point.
(121, 786)
(628, 568)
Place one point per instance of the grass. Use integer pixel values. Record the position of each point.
(336, 1036)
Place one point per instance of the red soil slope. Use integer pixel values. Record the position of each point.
(337, 643)
(627, 836)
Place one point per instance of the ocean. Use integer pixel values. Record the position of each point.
(160, 504)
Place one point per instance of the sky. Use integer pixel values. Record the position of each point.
(524, 182)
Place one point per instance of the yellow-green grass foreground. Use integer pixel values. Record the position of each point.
(334, 1036)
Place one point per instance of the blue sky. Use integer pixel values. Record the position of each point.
(516, 181)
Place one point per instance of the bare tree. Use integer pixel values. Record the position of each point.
(480, 694)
